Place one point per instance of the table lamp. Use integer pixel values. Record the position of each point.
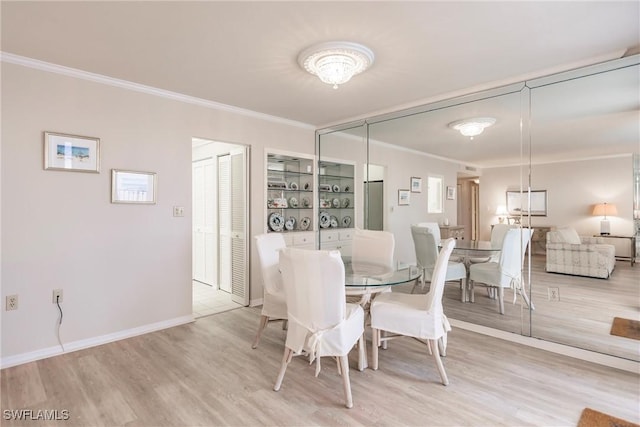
(604, 209)
(501, 213)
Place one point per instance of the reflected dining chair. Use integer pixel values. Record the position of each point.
(321, 322)
(426, 248)
(507, 271)
(274, 305)
(419, 316)
(498, 231)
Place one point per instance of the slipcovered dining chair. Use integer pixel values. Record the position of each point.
(274, 305)
(426, 248)
(320, 321)
(498, 231)
(507, 271)
(373, 247)
(419, 316)
(435, 230)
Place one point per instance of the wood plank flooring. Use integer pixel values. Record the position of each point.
(582, 318)
(206, 374)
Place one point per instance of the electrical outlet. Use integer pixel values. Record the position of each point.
(57, 295)
(12, 302)
(553, 294)
(178, 211)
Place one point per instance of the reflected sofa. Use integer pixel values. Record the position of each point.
(569, 253)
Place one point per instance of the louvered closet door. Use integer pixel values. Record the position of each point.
(232, 217)
(239, 229)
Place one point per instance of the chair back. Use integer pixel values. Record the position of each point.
(314, 283)
(514, 247)
(434, 227)
(434, 297)
(498, 232)
(269, 246)
(425, 244)
(373, 247)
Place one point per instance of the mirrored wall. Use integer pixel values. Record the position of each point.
(569, 136)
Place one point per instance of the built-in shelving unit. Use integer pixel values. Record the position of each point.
(336, 204)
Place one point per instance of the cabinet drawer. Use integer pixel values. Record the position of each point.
(329, 236)
(303, 239)
(288, 239)
(345, 234)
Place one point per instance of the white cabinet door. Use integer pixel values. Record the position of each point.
(204, 257)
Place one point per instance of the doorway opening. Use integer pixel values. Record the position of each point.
(220, 212)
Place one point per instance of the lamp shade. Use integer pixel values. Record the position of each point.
(501, 210)
(605, 209)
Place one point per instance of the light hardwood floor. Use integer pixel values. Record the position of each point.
(582, 318)
(206, 374)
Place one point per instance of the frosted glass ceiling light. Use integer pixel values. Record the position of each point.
(336, 62)
(472, 127)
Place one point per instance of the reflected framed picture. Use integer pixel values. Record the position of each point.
(451, 193)
(404, 197)
(73, 153)
(133, 187)
(416, 184)
(518, 203)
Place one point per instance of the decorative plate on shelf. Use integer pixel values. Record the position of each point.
(305, 223)
(290, 224)
(305, 202)
(276, 222)
(277, 203)
(307, 186)
(346, 221)
(279, 185)
(324, 187)
(293, 202)
(346, 202)
(334, 221)
(293, 185)
(346, 188)
(325, 219)
(335, 188)
(335, 203)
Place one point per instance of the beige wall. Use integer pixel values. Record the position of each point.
(124, 269)
(573, 188)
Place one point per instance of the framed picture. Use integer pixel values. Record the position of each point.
(71, 153)
(404, 197)
(416, 184)
(518, 203)
(451, 193)
(133, 187)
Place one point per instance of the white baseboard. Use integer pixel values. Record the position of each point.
(578, 353)
(44, 353)
(255, 302)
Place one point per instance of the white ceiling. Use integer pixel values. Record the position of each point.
(244, 54)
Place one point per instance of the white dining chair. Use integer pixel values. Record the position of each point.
(435, 230)
(274, 304)
(419, 316)
(507, 271)
(373, 247)
(321, 322)
(426, 249)
(498, 231)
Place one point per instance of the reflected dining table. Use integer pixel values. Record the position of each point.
(468, 251)
(366, 280)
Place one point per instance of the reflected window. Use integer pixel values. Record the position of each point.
(434, 194)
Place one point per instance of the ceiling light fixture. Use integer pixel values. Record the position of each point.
(472, 127)
(336, 62)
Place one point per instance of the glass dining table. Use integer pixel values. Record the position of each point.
(365, 280)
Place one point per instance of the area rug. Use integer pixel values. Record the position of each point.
(626, 328)
(592, 418)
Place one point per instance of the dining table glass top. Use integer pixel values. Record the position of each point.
(365, 275)
(475, 246)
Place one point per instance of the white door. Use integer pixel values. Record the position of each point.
(233, 224)
(204, 257)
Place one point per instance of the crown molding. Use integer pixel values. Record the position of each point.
(11, 58)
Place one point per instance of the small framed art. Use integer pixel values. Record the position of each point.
(71, 153)
(133, 187)
(404, 197)
(416, 184)
(451, 193)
